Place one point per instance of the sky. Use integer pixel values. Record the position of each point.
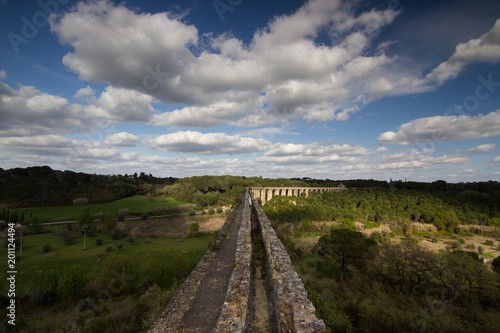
(328, 89)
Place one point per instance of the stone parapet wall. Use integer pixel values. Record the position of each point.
(237, 311)
(170, 320)
(290, 309)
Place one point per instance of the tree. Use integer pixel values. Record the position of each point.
(346, 244)
(84, 218)
(448, 220)
(35, 225)
(460, 274)
(405, 265)
(496, 264)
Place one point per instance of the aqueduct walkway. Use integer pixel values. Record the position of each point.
(224, 290)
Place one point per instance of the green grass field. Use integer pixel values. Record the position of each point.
(62, 256)
(137, 204)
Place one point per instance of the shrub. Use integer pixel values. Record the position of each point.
(162, 210)
(470, 247)
(131, 240)
(371, 225)
(41, 296)
(489, 242)
(99, 241)
(68, 238)
(145, 285)
(122, 213)
(115, 234)
(119, 246)
(46, 248)
(108, 224)
(80, 201)
(45, 280)
(116, 269)
(461, 240)
(496, 264)
(194, 228)
(456, 245)
(219, 210)
(73, 281)
(109, 249)
(144, 216)
(211, 211)
(377, 236)
(480, 249)
(85, 304)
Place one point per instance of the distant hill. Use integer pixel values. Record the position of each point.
(42, 186)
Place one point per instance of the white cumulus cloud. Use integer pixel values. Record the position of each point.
(444, 128)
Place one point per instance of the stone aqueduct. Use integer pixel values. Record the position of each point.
(222, 293)
(264, 194)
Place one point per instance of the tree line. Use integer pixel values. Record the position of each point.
(445, 209)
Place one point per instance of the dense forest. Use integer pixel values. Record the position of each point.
(446, 209)
(364, 280)
(42, 186)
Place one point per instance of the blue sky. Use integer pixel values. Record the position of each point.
(321, 88)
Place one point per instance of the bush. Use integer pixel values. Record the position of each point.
(211, 211)
(496, 264)
(194, 229)
(44, 287)
(80, 201)
(470, 247)
(145, 285)
(131, 240)
(108, 224)
(489, 242)
(219, 210)
(117, 270)
(41, 296)
(68, 237)
(115, 234)
(161, 211)
(122, 213)
(73, 281)
(85, 304)
(144, 216)
(46, 248)
(99, 242)
(480, 249)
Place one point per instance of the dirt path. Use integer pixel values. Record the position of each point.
(206, 306)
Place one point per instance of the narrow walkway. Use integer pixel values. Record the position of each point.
(261, 316)
(207, 303)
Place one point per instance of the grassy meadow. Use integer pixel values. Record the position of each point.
(136, 205)
(120, 282)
